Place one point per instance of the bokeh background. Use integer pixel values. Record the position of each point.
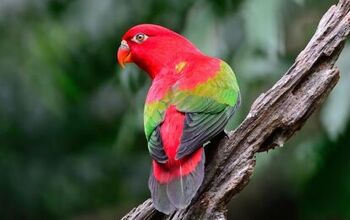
(71, 120)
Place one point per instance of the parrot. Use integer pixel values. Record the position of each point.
(191, 99)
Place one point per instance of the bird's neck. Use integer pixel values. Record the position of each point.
(168, 64)
(165, 54)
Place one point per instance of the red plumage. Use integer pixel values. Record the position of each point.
(191, 98)
(171, 132)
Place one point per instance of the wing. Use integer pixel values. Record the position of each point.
(153, 116)
(208, 107)
(156, 104)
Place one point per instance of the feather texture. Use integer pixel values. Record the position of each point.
(190, 101)
(186, 116)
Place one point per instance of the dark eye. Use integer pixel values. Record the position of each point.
(139, 38)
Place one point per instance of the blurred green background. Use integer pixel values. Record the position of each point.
(71, 120)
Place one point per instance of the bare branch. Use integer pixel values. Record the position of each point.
(274, 117)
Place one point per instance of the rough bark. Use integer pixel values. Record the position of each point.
(274, 117)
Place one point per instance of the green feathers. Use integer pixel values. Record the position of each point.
(211, 96)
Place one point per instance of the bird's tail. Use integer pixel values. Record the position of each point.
(175, 183)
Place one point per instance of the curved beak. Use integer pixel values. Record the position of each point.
(124, 55)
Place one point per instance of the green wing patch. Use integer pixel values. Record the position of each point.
(153, 115)
(207, 107)
(212, 96)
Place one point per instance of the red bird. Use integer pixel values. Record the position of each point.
(190, 101)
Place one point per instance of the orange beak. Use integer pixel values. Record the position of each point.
(124, 55)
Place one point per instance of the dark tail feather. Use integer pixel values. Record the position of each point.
(177, 193)
(182, 189)
(159, 196)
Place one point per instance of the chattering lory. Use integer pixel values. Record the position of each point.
(190, 101)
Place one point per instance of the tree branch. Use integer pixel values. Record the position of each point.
(274, 117)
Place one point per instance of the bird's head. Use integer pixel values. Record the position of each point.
(151, 47)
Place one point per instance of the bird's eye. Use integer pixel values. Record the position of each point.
(139, 38)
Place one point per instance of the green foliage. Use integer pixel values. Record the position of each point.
(327, 192)
(72, 144)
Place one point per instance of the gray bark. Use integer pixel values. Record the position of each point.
(274, 117)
